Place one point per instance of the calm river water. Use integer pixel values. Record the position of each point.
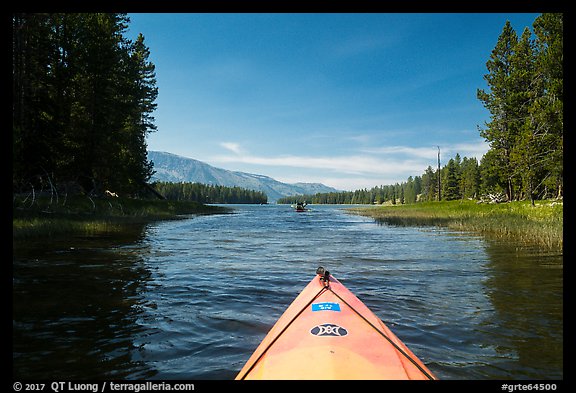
(191, 299)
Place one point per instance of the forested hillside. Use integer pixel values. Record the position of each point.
(525, 131)
(206, 193)
(83, 97)
(170, 167)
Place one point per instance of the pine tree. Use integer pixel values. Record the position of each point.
(525, 154)
(140, 95)
(450, 182)
(82, 102)
(547, 110)
(470, 178)
(33, 131)
(429, 184)
(502, 131)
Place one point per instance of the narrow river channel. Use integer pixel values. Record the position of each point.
(191, 299)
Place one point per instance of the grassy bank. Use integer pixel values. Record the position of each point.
(46, 217)
(540, 225)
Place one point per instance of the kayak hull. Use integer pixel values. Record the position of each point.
(328, 333)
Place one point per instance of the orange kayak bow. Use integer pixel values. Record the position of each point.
(328, 333)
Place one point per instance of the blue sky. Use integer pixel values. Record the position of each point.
(349, 100)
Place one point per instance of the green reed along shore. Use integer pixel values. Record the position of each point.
(540, 225)
(80, 215)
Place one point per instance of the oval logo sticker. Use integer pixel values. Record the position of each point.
(328, 330)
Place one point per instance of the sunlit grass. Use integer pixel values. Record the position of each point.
(540, 225)
(46, 217)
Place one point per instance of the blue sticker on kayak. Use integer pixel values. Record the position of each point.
(326, 306)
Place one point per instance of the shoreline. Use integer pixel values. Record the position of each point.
(540, 225)
(86, 216)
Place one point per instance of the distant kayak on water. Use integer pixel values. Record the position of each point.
(300, 206)
(328, 333)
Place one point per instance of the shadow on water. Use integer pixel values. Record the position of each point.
(525, 287)
(75, 303)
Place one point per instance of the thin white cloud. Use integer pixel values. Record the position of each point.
(369, 168)
(418, 152)
(352, 164)
(344, 183)
(469, 149)
(232, 146)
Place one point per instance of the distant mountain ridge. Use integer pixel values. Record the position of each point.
(174, 168)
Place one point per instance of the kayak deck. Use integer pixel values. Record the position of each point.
(328, 333)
